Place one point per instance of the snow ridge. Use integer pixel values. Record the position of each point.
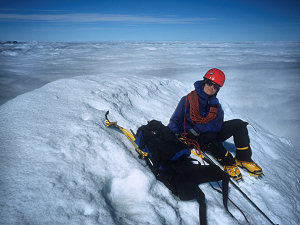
(61, 165)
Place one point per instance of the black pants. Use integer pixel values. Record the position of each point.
(212, 142)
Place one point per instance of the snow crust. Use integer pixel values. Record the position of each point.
(61, 165)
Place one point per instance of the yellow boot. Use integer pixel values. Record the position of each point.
(251, 167)
(233, 171)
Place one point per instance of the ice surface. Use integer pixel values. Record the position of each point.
(61, 165)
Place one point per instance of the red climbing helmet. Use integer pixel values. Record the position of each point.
(216, 76)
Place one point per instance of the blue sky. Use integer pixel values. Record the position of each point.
(150, 20)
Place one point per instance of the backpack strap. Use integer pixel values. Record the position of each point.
(202, 208)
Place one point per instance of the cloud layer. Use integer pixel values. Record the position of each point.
(95, 17)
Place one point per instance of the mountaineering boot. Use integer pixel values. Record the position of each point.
(251, 167)
(233, 171)
(229, 165)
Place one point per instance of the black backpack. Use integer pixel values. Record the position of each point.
(162, 146)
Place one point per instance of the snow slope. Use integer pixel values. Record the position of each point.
(61, 165)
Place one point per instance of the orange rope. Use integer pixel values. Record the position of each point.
(194, 110)
(195, 145)
(235, 205)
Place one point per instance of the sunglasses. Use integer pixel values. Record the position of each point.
(211, 83)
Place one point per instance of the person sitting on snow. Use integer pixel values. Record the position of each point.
(170, 161)
(199, 116)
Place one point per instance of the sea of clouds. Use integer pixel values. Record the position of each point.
(262, 78)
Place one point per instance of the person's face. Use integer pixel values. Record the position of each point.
(210, 88)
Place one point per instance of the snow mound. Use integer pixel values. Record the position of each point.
(61, 165)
